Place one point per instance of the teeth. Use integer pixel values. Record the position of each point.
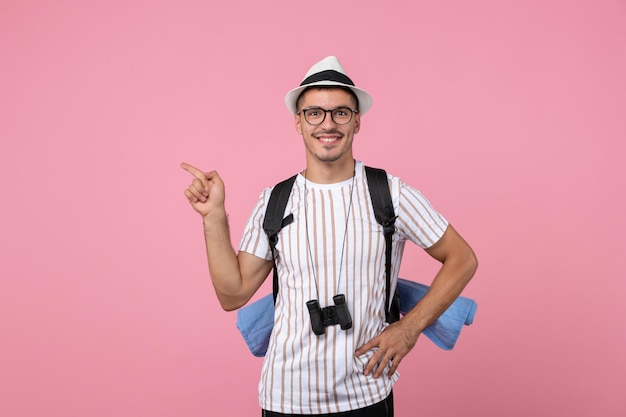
(327, 139)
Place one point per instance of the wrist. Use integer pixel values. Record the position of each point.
(414, 323)
(214, 218)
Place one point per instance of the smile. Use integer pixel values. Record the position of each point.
(328, 139)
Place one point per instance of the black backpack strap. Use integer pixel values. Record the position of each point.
(378, 184)
(274, 220)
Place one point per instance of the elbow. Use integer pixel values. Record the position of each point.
(230, 306)
(464, 262)
(229, 303)
(471, 263)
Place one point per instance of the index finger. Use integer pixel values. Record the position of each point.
(193, 170)
(367, 346)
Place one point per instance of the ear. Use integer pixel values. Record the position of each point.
(357, 123)
(297, 120)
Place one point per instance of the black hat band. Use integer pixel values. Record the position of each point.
(327, 75)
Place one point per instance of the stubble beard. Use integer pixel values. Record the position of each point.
(329, 156)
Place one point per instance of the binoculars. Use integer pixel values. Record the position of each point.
(329, 316)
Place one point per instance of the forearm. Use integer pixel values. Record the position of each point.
(222, 260)
(454, 274)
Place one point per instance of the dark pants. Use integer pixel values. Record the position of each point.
(381, 409)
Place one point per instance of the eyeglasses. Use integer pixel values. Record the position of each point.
(316, 115)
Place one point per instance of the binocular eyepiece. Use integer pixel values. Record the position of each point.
(329, 316)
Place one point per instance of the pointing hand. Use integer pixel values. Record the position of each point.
(206, 191)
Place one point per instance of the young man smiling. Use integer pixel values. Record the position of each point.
(333, 248)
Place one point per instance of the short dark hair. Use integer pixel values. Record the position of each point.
(327, 87)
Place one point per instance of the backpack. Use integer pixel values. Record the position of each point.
(380, 195)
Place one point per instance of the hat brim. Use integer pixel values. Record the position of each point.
(365, 100)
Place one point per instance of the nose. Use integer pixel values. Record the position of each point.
(328, 119)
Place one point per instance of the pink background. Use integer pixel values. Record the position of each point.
(508, 115)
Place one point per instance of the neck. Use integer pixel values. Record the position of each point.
(330, 173)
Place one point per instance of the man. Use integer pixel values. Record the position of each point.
(333, 247)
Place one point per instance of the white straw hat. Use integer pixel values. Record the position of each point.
(328, 72)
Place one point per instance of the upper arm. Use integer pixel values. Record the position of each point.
(451, 246)
(253, 270)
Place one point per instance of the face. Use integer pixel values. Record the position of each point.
(327, 142)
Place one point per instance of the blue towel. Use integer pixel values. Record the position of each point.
(255, 321)
(446, 329)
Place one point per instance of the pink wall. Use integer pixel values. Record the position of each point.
(508, 115)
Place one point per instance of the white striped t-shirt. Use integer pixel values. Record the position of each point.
(332, 247)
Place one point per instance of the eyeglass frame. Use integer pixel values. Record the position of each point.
(353, 112)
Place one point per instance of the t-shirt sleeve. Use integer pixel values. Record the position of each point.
(417, 220)
(254, 240)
